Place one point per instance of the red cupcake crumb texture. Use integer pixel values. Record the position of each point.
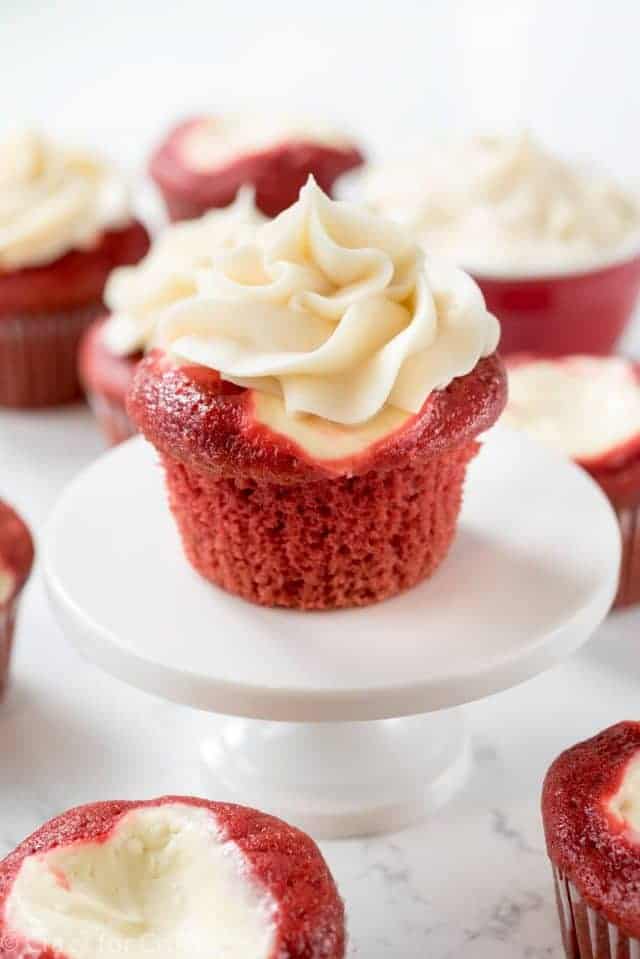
(588, 844)
(281, 859)
(262, 518)
(277, 173)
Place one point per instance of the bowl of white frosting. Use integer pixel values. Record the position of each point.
(554, 246)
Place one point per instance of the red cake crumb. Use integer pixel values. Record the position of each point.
(277, 174)
(281, 859)
(592, 849)
(262, 518)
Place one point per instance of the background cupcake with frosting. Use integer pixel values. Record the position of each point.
(554, 247)
(315, 406)
(203, 162)
(135, 295)
(65, 223)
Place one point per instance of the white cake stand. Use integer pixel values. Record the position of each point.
(322, 741)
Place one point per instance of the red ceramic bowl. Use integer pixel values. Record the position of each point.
(566, 313)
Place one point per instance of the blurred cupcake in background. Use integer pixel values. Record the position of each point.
(65, 223)
(591, 817)
(588, 408)
(554, 247)
(204, 161)
(114, 344)
(16, 559)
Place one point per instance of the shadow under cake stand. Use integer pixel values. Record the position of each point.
(343, 720)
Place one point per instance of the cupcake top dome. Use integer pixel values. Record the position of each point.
(591, 812)
(54, 200)
(331, 315)
(507, 206)
(135, 294)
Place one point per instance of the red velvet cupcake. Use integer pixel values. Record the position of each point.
(175, 876)
(554, 247)
(16, 559)
(591, 814)
(64, 225)
(315, 407)
(204, 162)
(113, 345)
(588, 408)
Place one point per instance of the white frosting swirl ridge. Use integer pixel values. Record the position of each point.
(135, 294)
(506, 205)
(53, 200)
(336, 312)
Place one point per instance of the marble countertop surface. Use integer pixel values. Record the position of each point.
(472, 881)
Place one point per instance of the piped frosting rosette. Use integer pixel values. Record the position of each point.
(53, 200)
(135, 294)
(330, 312)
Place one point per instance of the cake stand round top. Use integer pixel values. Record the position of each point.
(531, 574)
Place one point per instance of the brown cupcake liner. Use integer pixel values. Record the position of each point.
(38, 355)
(629, 588)
(586, 933)
(112, 418)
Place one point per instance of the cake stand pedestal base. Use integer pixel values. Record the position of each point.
(341, 779)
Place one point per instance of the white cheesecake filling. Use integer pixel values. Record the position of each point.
(581, 406)
(216, 141)
(7, 585)
(165, 883)
(625, 804)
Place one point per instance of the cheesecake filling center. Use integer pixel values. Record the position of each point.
(582, 406)
(625, 804)
(163, 883)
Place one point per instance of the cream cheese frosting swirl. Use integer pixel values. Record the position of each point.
(53, 200)
(506, 205)
(333, 311)
(135, 294)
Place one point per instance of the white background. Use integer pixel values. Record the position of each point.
(395, 71)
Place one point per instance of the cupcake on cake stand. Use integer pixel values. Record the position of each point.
(342, 722)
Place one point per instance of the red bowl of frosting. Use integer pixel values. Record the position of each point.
(554, 315)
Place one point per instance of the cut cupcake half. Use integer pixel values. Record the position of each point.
(173, 877)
